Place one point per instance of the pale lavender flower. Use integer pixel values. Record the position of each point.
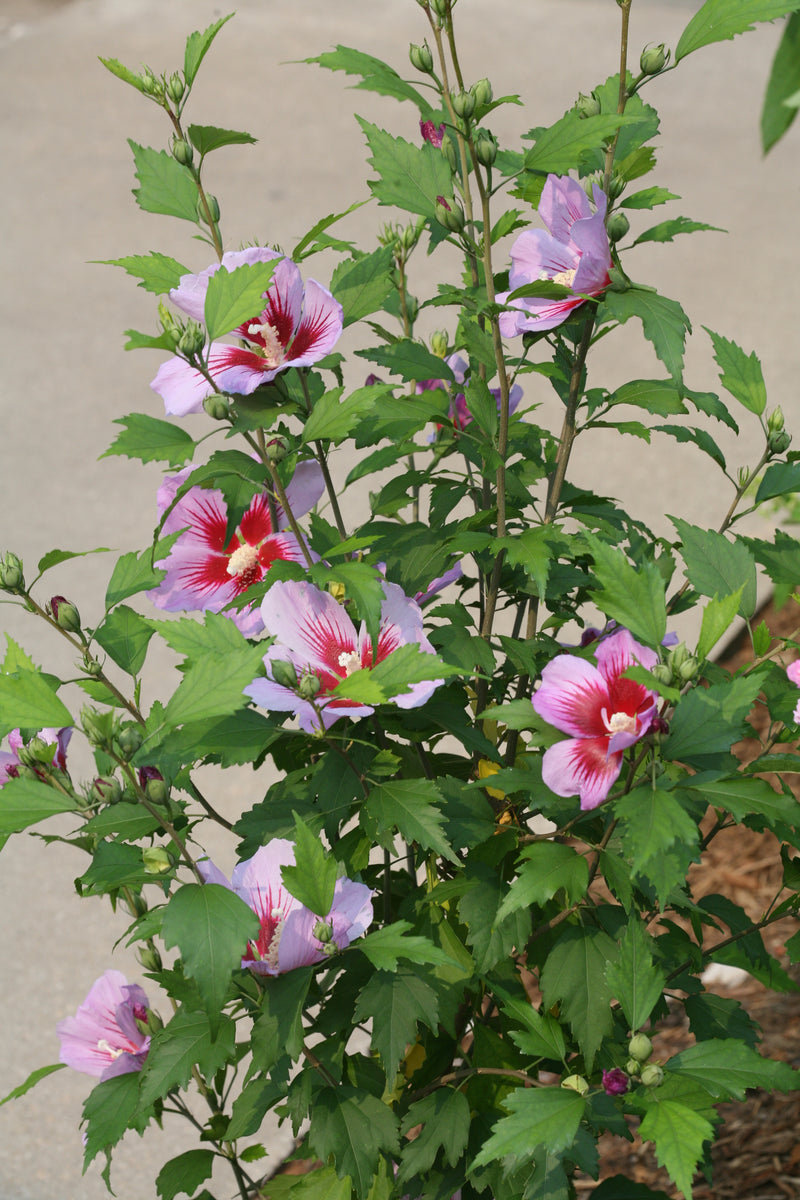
(793, 674)
(9, 760)
(103, 1038)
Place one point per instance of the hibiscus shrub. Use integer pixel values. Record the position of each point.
(464, 903)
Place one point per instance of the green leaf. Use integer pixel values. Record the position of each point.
(108, 1111)
(658, 396)
(396, 1001)
(211, 926)
(652, 821)
(313, 878)
(533, 550)
(334, 419)
(206, 138)
(618, 1187)
(214, 686)
(158, 272)
(353, 1128)
(362, 284)
(716, 566)
(316, 239)
(558, 148)
(445, 1120)
(165, 186)
(726, 1068)
(234, 297)
(664, 323)
(385, 947)
(252, 1104)
(114, 865)
(718, 21)
(545, 869)
(124, 635)
(395, 675)
(183, 1043)
(709, 720)
(667, 230)
(127, 821)
(376, 76)
(753, 802)
(122, 72)
(783, 83)
(197, 45)
(633, 979)
(633, 596)
(278, 1030)
(135, 573)
(31, 1081)
(410, 177)
(54, 557)
(711, 1016)
(362, 583)
(146, 341)
(779, 479)
(718, 616)
(538, 1117)
(185, 1173)
(741, 373)
(648, 198)
(678, 1134)
(409, 359)
(410, 807)
(151, 440)
(574, 975)
(28, 701)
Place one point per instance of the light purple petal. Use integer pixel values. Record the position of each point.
(580, 766)
(181, 387)
(92, 1040)
(307, 621)
(319, 329)
(563, 202)
(572, 696)
(306, 486)
(792, 672)
(212, 874)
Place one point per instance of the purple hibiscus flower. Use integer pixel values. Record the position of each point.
(615, 1082)
(296, 327)
(288, 931)
(459, 412)
(603, 712)
(575, 252)
(793, 674)
(9, 760)
(103, 1037)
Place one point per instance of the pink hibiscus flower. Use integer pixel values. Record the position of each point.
(793, 673)
(103, 1037)
(575, 252)
(9, 760)
(317, 639)
(296, 327)
(603, 713)
(288, 933)
(459, 413)
(204, 570)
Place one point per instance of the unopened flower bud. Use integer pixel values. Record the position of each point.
(653, 59)
(182, 152)
(663, 673)
(439, 343)
(277, 448)
(149, 82)
(485, 148)
(156, 860)
(11, 576)
(283, 673)
(98, 727)
(640, 1047)
(106, 790)
(36, 753)
(587, 106)
(617, 226)
(421, 57)
(575, 1083)
(615, 1082)
(616, 186)
(463, 104)
(152, 783)
(175, 88)
(688, 669)
(775, 420)
(412, 307)
(652, 1075)
(409, 237)
(129, 740)
(192, 340)
(91, 666)
(66, 614)
(779, 441)
(323, 932)
(452, 217)
(441, 8)
(213, 208)
(482, 93)
(308, 686)
(154, 1022)
(216, 407)
(150, 958)
(449, 151)
(633, 1066)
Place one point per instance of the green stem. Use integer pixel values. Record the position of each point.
(323, 462)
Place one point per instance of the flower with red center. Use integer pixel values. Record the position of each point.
(103, 1038)
(206, 571)
(793, 674)
(459, 414)
(433, 134)
(9, 760)
(615, 1082)
(317, 639)
(603, 712)
(288, 934)
(297, 326)
(575, 253)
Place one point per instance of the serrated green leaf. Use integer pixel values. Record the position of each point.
(151, 440)
(334, 419)
(445, 1120)
(726, 1068)
(664, 323)
(533, 550)
(652, 820)
(313, 877)
(28, 701)
(709, 720)
(315, 239)
(711, 1016)
(165, 186)
(376, 76)
(409, 807)
(558, 148)
(648, 198)
(184, 1042)
(396, 1001)
(719, 21)
(633, 596)
(184, 1174)
(135, 573)
(633, 979)
(127, 821)
(114, 865)
(718, 616)
(409, 177)
(779, 479)
(385, 947)
(699, 437)
(236, 296)
(546, 868)
(206, 138)
(31, 1081)
(678, 1133)
(353, 1128)
(362, 284)
(783, 83)
(538, 1117)
(214, 686)
(741, 373)
(108, 1111)
(409, 359)
(753, 801)
(665, 231)
(362, 583)
(211, 926)
(197, 45)
(717, 566)
(574, 976)
(658, 396)
(124, 635)
(158, 273)
(251, 1105)
(122, 72)
(147, 341)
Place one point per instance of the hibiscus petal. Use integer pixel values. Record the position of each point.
(580, 766)
(572, 696)
(284, 301)
(563, 202)
(181, 387)
(320, 328)
(303, 491)
(310, 623)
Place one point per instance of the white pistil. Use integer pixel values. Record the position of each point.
(565, 278)
(107, 1048)
(620, 722)
(272, 351)
(244, 558)
(350, 660)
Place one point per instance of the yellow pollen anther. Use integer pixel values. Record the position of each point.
(243, 559)
(272, 350)
(621, 722)
(350, 660)
(565, 278)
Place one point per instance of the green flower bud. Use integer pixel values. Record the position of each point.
(439, 343)
(283, 673)
(129, 740)
(213, 208)
(323, 932)
(441, 8)
(65, 614)
(451, 217)
(149, 82)
(98, 727)
(616, 186)
(192, 340)
(663, 673)
(182, 152)
(156, 860)
(154, 1022)
(36, 753)
(216, 407)
(463, 104)
(421, 57)
(688, 669)
(482, 93)
(775, 420)
(277, 448)
(779, 441)
(409, 237)
(150, 958)
(11, 576)
(175, 88)
(652, 1075)
(308, 686)
(617, 226)
(106, 790)
(485, 147)
(412, 307)
(587, 106)
(640, 1047)
(653, 59)
(633, 1066)
(575, 1083)
(91, 666)
(449, 151)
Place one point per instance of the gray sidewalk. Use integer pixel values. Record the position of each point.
(66, 201)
